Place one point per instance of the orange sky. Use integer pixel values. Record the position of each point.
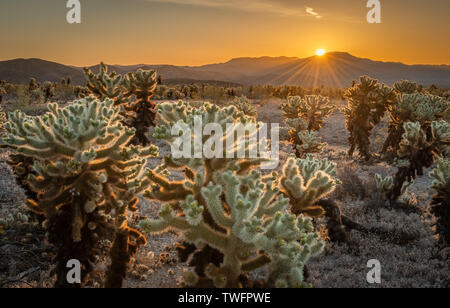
(195, 32)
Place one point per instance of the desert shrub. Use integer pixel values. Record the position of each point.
(440, 205)
(352, 185)
(367, 103)
(416, 107)
(233, 219)
(83, 173)
(305, 117)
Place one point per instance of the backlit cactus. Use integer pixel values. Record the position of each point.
(304, 118)
(419, 149)
(141, 113)
(305, 181)
(234, 220)
(105, 85)
(84, 171)
(441, 199)
(367, 103)
(406, 87)
(244, 105)
(416, 107)
(255, 220)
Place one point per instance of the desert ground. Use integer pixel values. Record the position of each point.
(26, 259)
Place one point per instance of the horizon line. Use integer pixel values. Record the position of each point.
(234, 58)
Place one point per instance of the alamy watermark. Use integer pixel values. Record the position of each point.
(74, 14)
(374, 15)
(374, 275)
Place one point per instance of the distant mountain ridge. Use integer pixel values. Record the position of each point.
(333, 69)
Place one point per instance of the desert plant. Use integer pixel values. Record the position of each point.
(305, 117)
(416, 107)
(234, 220)
(367, 103)
(105, 85)
(441, 200)
(84, 172)
(141, 113)
(418, 150)
(32, 85)
(306, 181)
(406, 87)
(48, 89)
(244, 105)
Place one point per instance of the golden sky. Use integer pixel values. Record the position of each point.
(195, 32)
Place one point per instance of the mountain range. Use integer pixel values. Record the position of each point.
(336, 69)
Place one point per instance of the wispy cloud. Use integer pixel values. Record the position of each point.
(310, 11)
(265, 6)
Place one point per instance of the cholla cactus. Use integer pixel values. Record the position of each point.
(83, 171)
(406, 87)
(417, 107)
(386, 185)
(441, 200)
(313, 109)
(105, 85)
(236, 219)
(243, 105)
(306, 181)
(305, 117)
(140, 114)
(48, 90)
(310, 142)
(367, 103)
(419, 149)
(254, 221)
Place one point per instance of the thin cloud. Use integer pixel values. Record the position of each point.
(264, 6)
(310, 11)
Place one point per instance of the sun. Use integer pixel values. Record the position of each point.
(320, 52)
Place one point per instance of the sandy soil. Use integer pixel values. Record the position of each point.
(26, 258)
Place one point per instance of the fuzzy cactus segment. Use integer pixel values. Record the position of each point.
(441, 199)
(255, 220)
(82, 166)
(306, 181)
(367, 103)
